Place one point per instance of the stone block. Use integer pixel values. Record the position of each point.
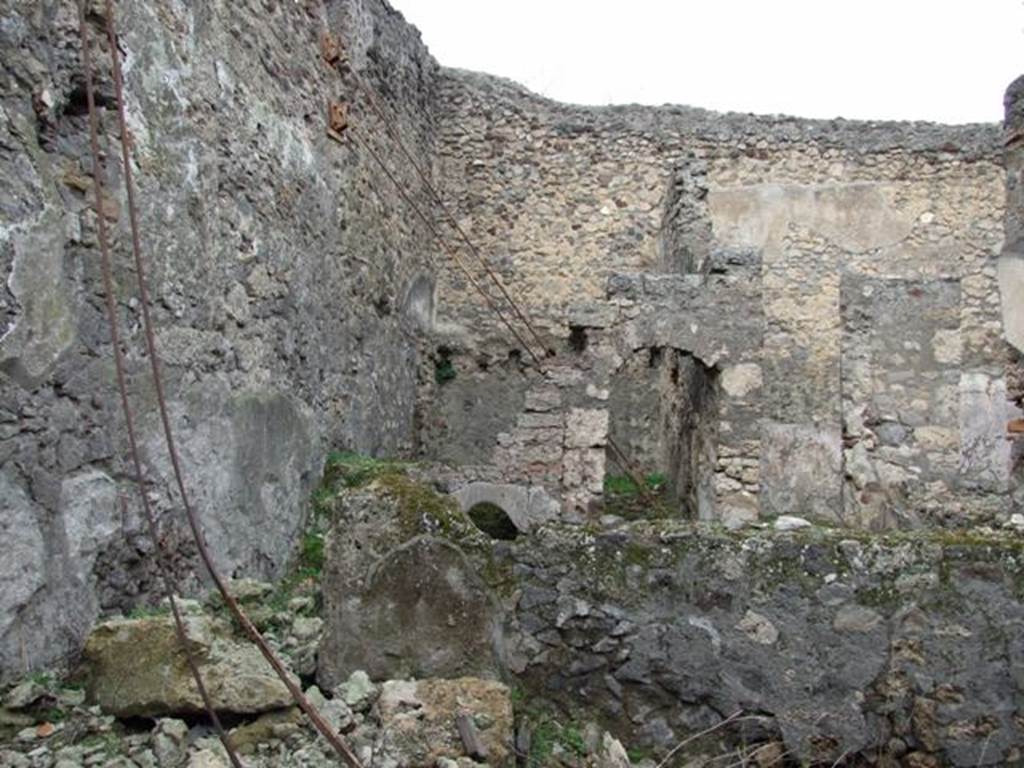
(136, 668)
(527, 506)
(985, 453)
(583, 469)
(418, 720)
(801, 470)
(1011, 286)
(420, 610)
(739, 381)
(586, 428)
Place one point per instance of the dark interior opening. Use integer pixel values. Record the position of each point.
(444, 368)
(577, 338)
(493, 520)
(663, 414)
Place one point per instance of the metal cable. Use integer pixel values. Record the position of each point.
(332, 737)
(452, 221)
(444, 244)
(621, 457)
(169, 583)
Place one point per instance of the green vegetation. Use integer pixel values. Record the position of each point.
(623, 485)
(354, 470)
(623, 497)
(311, 555)
(639, 754)
(547, 734)
(107, 743)
(45, 679)
(444, 371)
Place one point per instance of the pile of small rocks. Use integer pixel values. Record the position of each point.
(132, 704)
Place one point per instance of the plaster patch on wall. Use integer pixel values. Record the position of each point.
(1011, 285)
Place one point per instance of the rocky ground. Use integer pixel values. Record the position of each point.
(131, 703)
(694, 647)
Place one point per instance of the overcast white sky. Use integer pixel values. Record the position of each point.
(943, 60)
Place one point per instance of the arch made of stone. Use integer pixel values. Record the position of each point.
(527, 506)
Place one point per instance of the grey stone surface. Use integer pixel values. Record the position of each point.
(1011, 284)
(1011, 271)
(801, 470)
(1013, 136)
(390, 577)
(136, 668)
(287, 295)
(251, 457)
(22, 570)
(836, 645)
(1011, 260)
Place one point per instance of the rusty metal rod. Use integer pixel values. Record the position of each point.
(343, 61)
(318, 721)
(452, 221)
(443, 243)
(169, 582)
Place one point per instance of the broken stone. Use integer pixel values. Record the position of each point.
(25, 695)
(272, 726)
(207, 758)
(169, 742)
(137, 668)
(790, 523)
(856, 618)
(358, 692)
(418, 719)
(758, 628)
(612, 754)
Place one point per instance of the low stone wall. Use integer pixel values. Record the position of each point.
(900, 646)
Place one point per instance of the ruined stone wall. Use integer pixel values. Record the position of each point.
(1011, 269)
(1011, 265)
(900, 649)
(844, 232)
(288, 282)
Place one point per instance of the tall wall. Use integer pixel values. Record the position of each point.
(824, 240)
(281, 264)
(1011, 265)
(1011, 269)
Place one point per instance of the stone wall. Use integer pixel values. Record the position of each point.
(899, 649)
(288, 282)
(1011, 265)
(1011, 269)
(767, 263)
(816, 240)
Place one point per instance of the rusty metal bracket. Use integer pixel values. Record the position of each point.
(331, 50)
(337, 119)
